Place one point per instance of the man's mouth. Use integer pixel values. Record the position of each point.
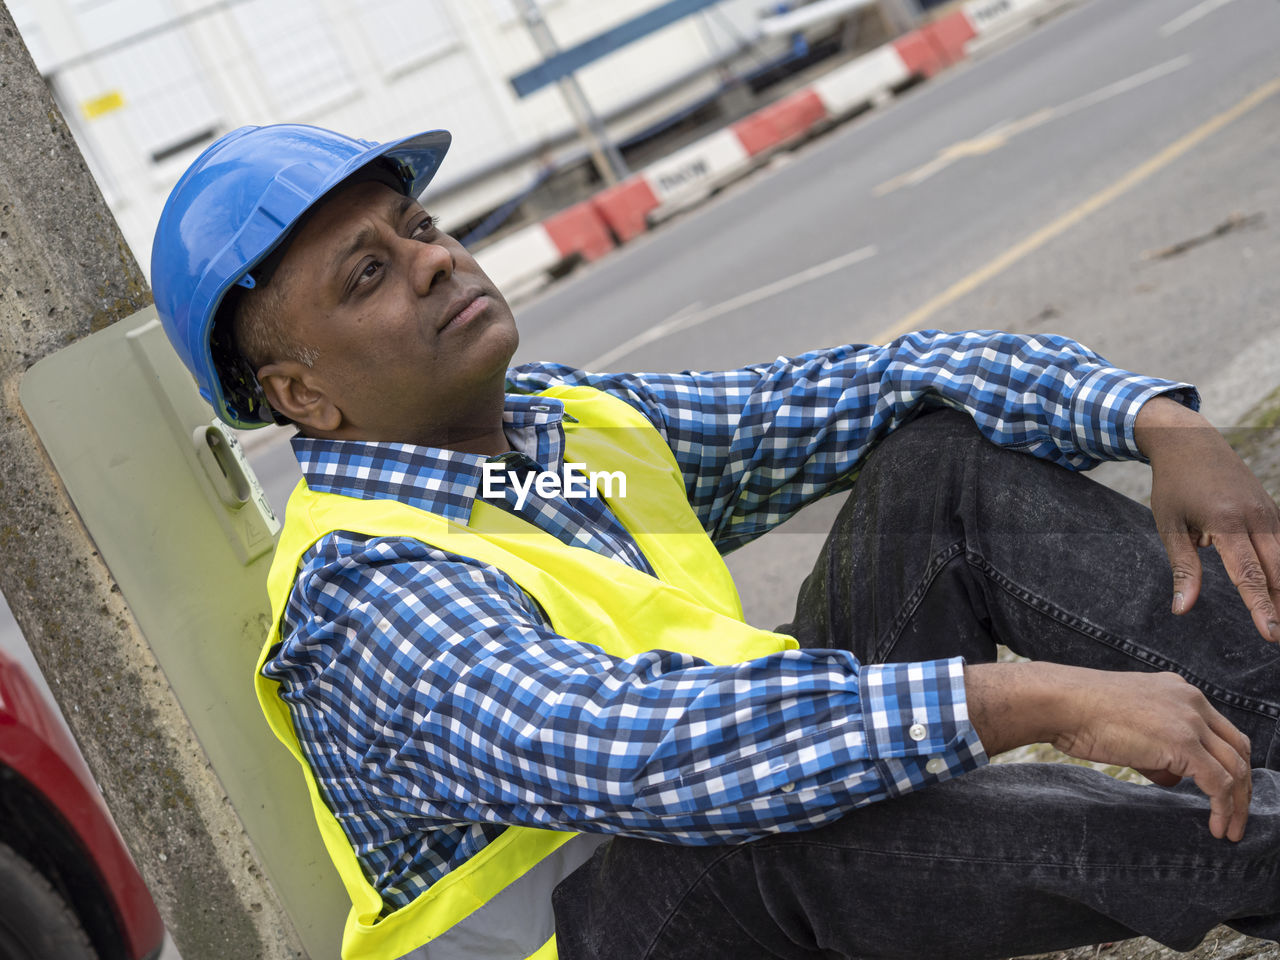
(465, 311)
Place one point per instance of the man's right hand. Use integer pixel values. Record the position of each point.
(1156, 723)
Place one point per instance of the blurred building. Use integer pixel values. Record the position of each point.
(147, 84)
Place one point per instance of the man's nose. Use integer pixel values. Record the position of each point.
(432, 263)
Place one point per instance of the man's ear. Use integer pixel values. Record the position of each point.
(292, 390)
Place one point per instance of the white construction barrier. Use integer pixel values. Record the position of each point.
(861, 81)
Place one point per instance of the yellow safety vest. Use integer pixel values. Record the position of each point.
(497, 905)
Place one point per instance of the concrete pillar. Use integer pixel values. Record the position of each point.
(65, 272)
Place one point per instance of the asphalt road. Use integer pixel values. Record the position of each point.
(823, 204)
(1039, 144)
(1037, 187)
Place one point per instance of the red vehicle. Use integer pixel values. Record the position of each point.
(68, 887)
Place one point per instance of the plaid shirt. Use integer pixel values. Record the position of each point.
(416, 678)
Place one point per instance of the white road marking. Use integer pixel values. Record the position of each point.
(1199, 11)
(1122, 86)
(999, 135)
(694, 315)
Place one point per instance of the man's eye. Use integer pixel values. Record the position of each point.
(368, 271)
(424, 226)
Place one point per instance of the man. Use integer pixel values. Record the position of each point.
(488, 670)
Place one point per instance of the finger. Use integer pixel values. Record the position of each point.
(1231, 748)
(1224, 728)
(1185, 563)
(1246, 572)
(1218, 785)
(1241, 788)
(1267, 546)
(1238, 752)
(1236, 832)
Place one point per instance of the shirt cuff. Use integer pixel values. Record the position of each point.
(917, 723)
(913, 709)
(1106, 403)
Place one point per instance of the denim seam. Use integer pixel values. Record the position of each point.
(679, 904)
(1125, 646)
(1008, 861)
(912, 602)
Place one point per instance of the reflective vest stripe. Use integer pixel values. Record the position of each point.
(517, 922)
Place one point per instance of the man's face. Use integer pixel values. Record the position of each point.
(412, 339)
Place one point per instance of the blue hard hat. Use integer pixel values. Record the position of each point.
(235, 204)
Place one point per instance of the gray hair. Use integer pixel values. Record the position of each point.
(260, 331)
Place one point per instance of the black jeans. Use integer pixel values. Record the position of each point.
(949, 545)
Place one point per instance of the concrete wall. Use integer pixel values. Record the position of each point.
(65, 272)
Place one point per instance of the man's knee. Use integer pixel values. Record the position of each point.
(931, 429)
(922, 451)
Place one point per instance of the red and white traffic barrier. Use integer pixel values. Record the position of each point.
(691, 166)
(791, 117)
(625, 207)
(711, 161)
(987, 16)
(937, 45)
(621, 213)
(861, 82)
(705, 164)
(685, 174)
(529, 253)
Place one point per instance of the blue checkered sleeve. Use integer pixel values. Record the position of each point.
(757, 444)
(433, 692)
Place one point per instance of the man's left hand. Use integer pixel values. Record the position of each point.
(1202, 494)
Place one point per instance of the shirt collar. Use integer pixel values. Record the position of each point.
(440, 481)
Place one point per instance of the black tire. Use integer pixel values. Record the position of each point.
(35, 922)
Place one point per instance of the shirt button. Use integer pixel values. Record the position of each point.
(787, 787)
(935, 765)
(917, 731)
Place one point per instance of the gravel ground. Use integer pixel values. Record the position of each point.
(1254, 441)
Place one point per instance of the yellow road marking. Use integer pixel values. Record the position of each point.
(916, 318)
(999, 135)
(979, 146)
